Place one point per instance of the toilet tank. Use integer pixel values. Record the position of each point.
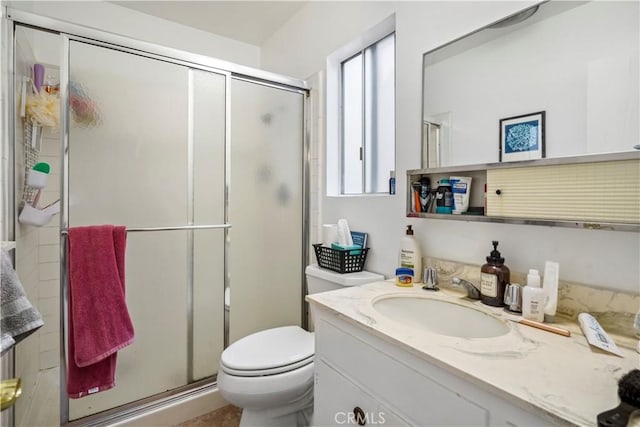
(322, 280)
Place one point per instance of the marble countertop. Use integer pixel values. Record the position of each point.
(560, 378)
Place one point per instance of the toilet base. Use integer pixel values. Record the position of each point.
(265, 419)
(264, 404)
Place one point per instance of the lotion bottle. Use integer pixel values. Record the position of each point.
(494, 277)
(533, 298)
(410, 255)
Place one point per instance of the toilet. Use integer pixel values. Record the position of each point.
(270, 373)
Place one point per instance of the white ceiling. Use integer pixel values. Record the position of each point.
(251, 22)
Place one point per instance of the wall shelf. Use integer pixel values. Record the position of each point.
(522, 197)
(611, 226)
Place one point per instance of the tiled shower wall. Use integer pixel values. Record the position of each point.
(315, 125)
(37, 263)
(26, 264)
(49, 258)
(26, 255)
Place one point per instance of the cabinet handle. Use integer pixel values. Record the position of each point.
(359, 416)
(498, 192)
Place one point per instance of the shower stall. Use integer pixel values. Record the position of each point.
(204, 162)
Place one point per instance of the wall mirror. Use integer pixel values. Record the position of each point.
(576, 61)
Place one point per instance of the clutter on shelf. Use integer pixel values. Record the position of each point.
(39, 109)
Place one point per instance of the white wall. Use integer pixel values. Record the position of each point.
(120, 20)
(601, 258)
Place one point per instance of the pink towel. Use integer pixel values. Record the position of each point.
(99, 322)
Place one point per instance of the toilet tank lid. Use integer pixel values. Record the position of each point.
(347, 279)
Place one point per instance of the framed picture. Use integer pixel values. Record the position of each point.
(522, 137)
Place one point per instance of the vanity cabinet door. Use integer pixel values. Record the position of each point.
(338, 401)
(418, 399)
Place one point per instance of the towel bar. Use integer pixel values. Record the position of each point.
(180, 227)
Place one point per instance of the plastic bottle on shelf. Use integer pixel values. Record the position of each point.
(444, 197)
(533, 298)
(392, 182)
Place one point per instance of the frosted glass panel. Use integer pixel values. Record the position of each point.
(208, 275)
(156, 298)
(208, 302)
(379, 114)
(128, 164)
(265, 208)
(209, 141)
(352, 137)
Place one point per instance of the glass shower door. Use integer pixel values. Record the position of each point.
(266, 208)
(146, 150)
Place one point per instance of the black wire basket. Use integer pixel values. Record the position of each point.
(342, 261)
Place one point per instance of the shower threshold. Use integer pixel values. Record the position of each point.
(164, 409)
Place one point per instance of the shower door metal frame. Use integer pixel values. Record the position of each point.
(190, 227)
(7, 158)
(146, 48)
(73, 32)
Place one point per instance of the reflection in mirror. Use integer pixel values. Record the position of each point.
(577, 61)
(436, 130)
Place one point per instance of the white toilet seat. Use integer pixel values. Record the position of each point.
(269, 352)
(268, 371)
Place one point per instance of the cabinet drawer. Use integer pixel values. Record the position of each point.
(340, 402)
(424, 401)
(598, 192)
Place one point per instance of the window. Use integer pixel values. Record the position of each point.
(361, 113)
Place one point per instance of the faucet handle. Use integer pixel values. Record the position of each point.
(456, 281)
(430, 279)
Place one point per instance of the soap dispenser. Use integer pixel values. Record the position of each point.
(494, 277)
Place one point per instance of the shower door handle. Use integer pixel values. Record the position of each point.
(10, 391)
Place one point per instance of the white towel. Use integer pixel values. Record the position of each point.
(18, 318)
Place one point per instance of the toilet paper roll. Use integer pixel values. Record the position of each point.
(329, 234)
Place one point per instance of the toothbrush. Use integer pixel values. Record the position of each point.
(36, 199)
(636, 326)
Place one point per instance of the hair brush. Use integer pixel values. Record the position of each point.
(629, 394)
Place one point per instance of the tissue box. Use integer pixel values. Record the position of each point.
(353, 249)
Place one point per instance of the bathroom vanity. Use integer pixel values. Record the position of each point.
(388, 369)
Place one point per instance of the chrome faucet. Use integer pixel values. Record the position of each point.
(472, 291)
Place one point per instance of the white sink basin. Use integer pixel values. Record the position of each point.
(440, 317)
